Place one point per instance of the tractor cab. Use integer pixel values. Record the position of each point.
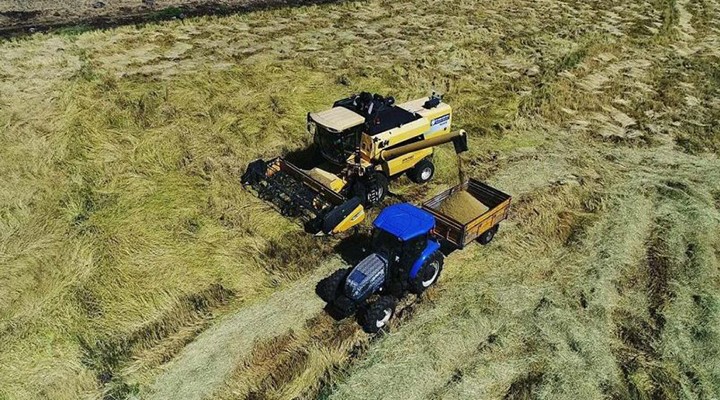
(402, 232)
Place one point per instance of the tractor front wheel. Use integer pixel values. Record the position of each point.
(329, 288)
(428, 274)
(379, 314)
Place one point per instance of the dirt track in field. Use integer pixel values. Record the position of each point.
(213, 356)
(22, 17)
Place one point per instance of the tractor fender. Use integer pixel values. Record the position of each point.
(432, 247)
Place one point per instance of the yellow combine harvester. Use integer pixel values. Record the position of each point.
(362, 141)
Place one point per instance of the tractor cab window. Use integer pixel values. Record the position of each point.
(336, 147)
(414, 247)
(395, 249)
(386, 243)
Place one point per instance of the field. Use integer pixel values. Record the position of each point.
(18, 16)
(134, 265)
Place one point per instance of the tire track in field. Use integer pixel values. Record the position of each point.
(301, 364)
(207, 362)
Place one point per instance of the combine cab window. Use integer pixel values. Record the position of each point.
(336, 147)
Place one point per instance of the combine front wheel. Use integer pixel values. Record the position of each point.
(372, 190)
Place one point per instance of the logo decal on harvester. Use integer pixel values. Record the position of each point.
(440, 120)
(440, 123)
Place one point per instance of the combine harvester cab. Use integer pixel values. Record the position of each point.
(363, 141)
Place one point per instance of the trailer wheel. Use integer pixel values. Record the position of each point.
(488, 236)
(372, 190)
(428, 274)
(328, 288)
(422, 172)
(379, 314)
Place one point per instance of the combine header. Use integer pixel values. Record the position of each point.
(296, 194)
(362, 142)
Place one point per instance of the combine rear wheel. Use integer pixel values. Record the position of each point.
(379, 314)
(422, 172)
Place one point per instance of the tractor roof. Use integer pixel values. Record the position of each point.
(405, 221)
(337, 118)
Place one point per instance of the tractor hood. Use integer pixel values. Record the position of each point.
(367, 277)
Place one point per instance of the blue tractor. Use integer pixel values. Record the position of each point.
(405, 257)
(406, 253)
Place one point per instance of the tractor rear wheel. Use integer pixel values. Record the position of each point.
(488, 236)
(428, 274)
(379, 314)
(328, 288)
(422, 172)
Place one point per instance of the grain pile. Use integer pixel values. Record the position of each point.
(463, 207)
